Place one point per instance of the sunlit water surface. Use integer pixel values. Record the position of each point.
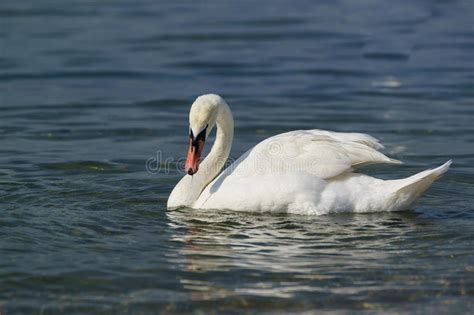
(92, 90)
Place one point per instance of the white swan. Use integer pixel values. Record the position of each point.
(302, 171)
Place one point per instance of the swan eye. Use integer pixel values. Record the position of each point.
(202, 134)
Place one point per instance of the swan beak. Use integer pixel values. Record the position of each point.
(194, 156)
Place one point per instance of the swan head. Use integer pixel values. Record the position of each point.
(202, 118)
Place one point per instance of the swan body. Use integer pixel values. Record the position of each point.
(302, 171)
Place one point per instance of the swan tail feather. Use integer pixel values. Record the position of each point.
(408, 190)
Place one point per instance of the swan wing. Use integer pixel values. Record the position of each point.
(322, 153)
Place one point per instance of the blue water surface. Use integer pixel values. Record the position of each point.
(94, 97)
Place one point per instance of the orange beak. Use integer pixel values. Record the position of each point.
(194, 156)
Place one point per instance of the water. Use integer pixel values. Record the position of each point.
(92, 90)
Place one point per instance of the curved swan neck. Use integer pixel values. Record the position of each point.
(212, 165)
(189, 188)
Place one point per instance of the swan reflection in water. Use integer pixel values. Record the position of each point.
(226, 253)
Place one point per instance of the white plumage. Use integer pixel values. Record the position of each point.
(302, 171)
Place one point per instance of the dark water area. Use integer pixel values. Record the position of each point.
(92, 91)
